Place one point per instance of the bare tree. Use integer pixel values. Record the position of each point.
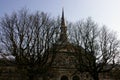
(29, 38)
(98, 48)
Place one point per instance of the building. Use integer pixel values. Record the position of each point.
(64, 65)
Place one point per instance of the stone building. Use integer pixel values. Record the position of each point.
(64, 65)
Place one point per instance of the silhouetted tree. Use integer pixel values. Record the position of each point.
(29, 38)
(98, 48)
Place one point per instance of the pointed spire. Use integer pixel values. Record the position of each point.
(62, 18)
(63, 34)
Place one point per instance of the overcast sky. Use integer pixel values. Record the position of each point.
(102, 11)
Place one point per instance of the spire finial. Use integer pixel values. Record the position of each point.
(62, 18)
(62, 12)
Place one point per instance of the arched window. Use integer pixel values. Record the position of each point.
(64, 78)
(75, 78)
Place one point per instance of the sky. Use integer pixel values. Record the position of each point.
(104, 12)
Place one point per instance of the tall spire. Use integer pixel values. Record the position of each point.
(62, 18)
(63, 28)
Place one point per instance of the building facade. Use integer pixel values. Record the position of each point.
(64, 65)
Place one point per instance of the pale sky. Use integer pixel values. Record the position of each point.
(102, 11)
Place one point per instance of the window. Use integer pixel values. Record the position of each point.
(64, 78)
(75, 78)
